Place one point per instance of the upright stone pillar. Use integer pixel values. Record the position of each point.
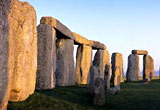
(133, 68)
(148, 67)
(18, 51)
(65, 63)
(94, 74)
(117, 76)
(107, 76)
(101, 58)
(46, 57)
(117, 61)
(83, 63)
(99, 92)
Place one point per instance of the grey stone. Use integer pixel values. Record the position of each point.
(46, 57)
(101, 58)
(117, 76)
(97, 45)
(148, 68)
(18, 51)
(58, 26)
(133, 68)
(94, 72)
(140, 52)
(107, 76)
(117, 60)
(83, 63)
(114, 90)
(65, 75)
(99, 92)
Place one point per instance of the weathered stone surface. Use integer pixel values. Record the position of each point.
(140, 52)
(107, 76)
(58, 26)
(18, 51)
(84, 41)
(94, 72)
(148, 67)
(46, 57)
(114, 90)
(117, 76)
(117, 61)
(133, 68)
(83, 63)
(99, 92)
(80, 40)
(24, 46)
(101, 58)
(97, 45)
(65, 63)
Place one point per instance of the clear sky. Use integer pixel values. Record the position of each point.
(122, 25)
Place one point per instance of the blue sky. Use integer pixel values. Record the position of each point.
(122, 25)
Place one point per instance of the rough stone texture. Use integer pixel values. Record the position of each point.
(18, 51)
(65, 63)
(58, 26)
(83, 63)
(101, 58)
(24, 46)
(117, 76)
(133, 68)
(114, 90)
(148, 67)
(107, 76)
(46, 57)
(94, 72)
(117, 60)
(97, 45)
(140, 52)
(99, 92)
(80, 40)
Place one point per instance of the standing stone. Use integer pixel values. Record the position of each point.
(83, 63)
(46, 57)
(133, 68)
(101, 58)
(99, 92)
(117, 76)
(117, 60)
(94, 72)
(65, 63)
(107, 76)
(148, 67)
(18, 51)
(24, 46)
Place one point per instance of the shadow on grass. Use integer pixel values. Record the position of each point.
(133, 96)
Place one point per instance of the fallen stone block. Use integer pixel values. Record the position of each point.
(114, 90)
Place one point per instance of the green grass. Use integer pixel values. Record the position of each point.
(133, 96)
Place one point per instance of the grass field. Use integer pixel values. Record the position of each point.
(133, 96)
